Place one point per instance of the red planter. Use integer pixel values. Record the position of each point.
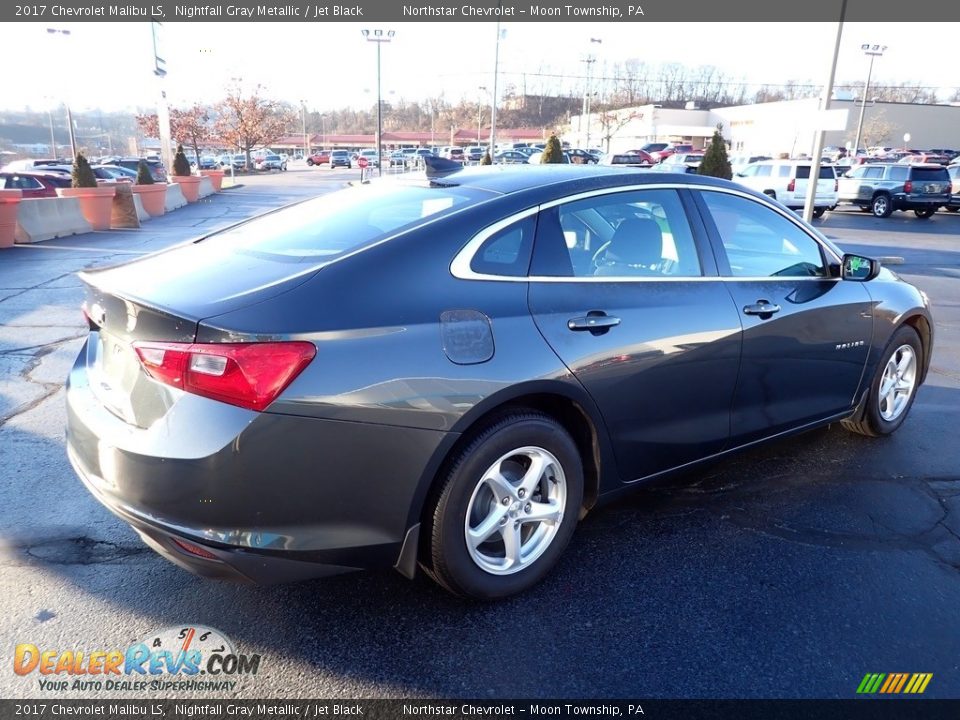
(216, 178)
(9, 199)
(153, 197)
(96, 204)
(190, 184)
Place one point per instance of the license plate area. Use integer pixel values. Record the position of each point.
(113, 369)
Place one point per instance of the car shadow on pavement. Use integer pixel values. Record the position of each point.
(670, 591)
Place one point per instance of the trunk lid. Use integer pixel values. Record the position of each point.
(164, 297)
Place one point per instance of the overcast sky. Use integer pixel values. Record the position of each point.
(108, 65)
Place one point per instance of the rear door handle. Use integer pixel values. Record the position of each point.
(596, 322)
(761, 308)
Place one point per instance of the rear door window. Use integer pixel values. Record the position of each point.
(642, 233)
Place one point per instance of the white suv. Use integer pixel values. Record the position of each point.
(786, 181)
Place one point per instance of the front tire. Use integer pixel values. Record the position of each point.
(894, 386)
(309, 162)
(506, 508)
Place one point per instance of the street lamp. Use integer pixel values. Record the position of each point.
(379, 37)
(306, 142)
(482, 89)
(586, 99)
(73, 140)
(873, 51)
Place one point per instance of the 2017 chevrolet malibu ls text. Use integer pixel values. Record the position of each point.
(448, 371)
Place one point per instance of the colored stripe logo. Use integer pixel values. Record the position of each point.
(894, 683)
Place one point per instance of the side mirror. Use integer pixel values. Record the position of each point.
(859, 268)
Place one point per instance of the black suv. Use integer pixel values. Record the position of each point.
(881, 188)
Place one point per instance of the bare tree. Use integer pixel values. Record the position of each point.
(188, 126)
(252, 121)
(612, 122)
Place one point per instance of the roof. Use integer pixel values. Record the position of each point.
(517, 178)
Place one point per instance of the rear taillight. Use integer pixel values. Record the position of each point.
(250, 375)
(791, 186)
(908, 186)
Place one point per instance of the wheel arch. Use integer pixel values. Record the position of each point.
(923, 328)
(566, 403)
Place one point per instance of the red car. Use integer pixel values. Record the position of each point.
(669, 150)
(34, 185)
(321, 157)
(645, 157)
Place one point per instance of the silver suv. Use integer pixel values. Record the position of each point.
(881, 188)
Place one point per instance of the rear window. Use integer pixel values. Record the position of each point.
(930, 174)
(625, 159)
(826, 172)
(343, 221)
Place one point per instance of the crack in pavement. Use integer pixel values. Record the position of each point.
(49, 389)
(38, 286)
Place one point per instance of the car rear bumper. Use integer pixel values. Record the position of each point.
(271, 497)
(920, 202)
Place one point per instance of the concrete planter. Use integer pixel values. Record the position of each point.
(96, 204)
(190, 184)
(153, 198)
(9, 199)
(216, 177)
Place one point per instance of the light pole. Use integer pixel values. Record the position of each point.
(586, 100)
(482, 89)
(493, 103)
(306, 142)
(379, 37)
(323, 131)
(53, 140)
(873, 51)
(73, 140)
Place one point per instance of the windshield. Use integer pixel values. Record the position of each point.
(340, 222)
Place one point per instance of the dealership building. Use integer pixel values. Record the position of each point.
(772, 128)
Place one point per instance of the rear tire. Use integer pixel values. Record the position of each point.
(893, 388)
(924, 213)
(818, 212)
(506, 508)
(881, 206)
(864, 208)
(309, 162)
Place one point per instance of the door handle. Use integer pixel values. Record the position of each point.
(761, 308)
(596, 322)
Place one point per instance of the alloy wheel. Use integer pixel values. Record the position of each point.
(898, 383)
(515, 511)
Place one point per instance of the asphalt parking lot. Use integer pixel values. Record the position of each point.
(787, 571)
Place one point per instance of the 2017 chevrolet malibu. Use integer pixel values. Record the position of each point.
(448, 371)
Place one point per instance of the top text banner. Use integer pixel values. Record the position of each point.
(739, 11)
